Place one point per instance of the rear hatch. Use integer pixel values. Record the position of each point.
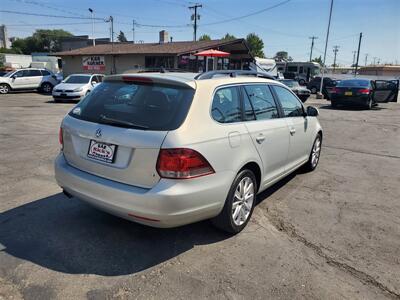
(116, 132)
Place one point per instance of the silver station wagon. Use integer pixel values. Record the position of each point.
(168, 149)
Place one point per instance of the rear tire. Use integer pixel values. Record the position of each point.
(313, 159)
(239, 203)
(4, 88)
(46, 88)
(333, 104)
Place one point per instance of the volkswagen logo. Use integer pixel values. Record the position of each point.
(98, 132)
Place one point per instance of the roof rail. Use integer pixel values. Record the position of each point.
(233, 73)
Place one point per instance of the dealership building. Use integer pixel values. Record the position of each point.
(123, 57)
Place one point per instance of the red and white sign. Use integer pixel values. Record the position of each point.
(94, 63)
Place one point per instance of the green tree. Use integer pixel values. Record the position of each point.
(318, 60)
(228, 37)
(42, 40)
(121, 37)
(205, 37)
(255, 44)
(11, 51)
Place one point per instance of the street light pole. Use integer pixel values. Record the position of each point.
(326, 46)
(93, 38)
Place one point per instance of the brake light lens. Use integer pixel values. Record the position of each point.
(137, 79)
(364, 91)
(60, 137)
(182, 163)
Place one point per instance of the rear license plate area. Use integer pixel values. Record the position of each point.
(102, 151)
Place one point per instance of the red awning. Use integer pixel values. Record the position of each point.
(213, 53)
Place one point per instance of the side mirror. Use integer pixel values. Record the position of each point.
(312, 111)
(94, 83)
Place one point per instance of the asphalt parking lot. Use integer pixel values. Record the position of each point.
(333, 233)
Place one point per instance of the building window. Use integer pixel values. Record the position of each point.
(159, 61)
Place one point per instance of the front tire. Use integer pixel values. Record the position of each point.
(4, 88)
(369, 104)
(313, 159)
(239, 203)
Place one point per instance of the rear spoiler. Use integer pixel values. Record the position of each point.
(147, 78)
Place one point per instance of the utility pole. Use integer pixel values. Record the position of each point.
(195, 19)
(326, 46)
(335, 51)
(312, 45)
(93, 38)
(133, 31)
(374, 60)
(366, 59)
(111, 20)
(358, 54)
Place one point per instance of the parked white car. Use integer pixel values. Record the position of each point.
(28, 79)
(169, 149)
(76, 86)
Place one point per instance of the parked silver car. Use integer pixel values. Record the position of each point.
(28, 79)
(76, 86)
(171, 149)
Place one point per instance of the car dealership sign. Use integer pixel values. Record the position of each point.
(94, 63)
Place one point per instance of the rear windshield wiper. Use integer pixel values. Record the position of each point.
(122, 123)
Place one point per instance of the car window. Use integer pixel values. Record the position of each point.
(45, 73)
(19, 74)
(226, 105)
(248, 108)
(262, 101)
(34, 73)
(136, 105)
(290, 104)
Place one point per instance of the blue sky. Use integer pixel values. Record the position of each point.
(286, 27)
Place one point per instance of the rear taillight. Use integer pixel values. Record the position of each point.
(182, 163)
(60, 137)
(364, 91)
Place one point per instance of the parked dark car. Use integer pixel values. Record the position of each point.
(364, 92)
(315, 83)
(301, 92)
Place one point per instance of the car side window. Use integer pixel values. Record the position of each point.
(34, 73)
(19, 74)
(290, 104)
(226, 105)
(45, 73)
(262, 101)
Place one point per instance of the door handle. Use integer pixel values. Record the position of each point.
(260, 138)
(292, 131)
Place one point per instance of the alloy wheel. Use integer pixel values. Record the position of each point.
(47, 88)
(316, 151)
(243, 201)
(4, 89)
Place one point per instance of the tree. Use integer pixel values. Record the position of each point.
(255, 44)
(318, 60)
(205, 37)
(11, 51)
(228, 37)
(121, 37)
(42, 40)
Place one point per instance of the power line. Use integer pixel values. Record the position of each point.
(50, 24)
(248, 15)
(46, 15)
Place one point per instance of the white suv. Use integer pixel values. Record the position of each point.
(171, 149)
(28, 79)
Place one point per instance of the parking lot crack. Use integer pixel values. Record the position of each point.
(291, 231)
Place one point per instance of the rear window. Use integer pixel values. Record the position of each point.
(353, 83)
(136, 105)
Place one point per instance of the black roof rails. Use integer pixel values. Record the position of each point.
(233, 73)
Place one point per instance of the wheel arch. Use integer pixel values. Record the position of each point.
(255, 168)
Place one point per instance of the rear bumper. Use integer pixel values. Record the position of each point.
(169, 203)
(342, 100)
